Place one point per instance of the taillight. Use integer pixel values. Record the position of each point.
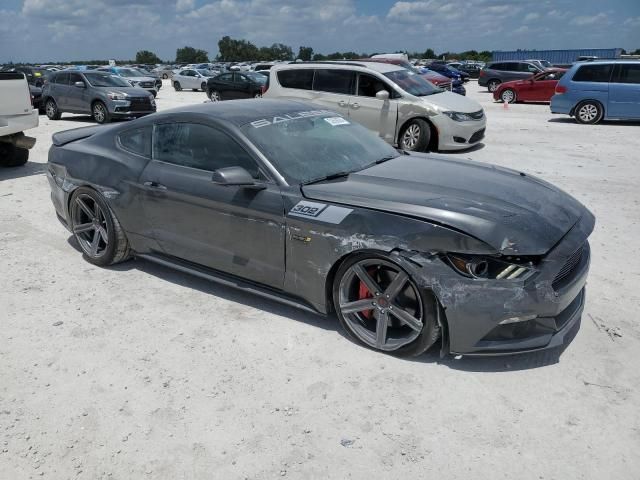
(31, 97)
(560, 89)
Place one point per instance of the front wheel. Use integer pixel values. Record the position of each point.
(96, 229)
(492, 85)
(379, 304)
(508, 96)
(415, 136)
(100, 113)
(589, 112)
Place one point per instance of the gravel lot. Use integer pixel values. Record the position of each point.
(138, 372)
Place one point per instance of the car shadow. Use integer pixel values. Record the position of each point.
(604, 122)
(476, 364)
(27, 170)
(475, 148)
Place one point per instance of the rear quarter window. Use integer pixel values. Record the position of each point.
(593, 73)
(301, 79)
(334, 81)
(137, 140)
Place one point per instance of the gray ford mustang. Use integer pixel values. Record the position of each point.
(301, 205)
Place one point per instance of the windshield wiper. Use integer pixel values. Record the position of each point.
(385, 159)
(332, 176)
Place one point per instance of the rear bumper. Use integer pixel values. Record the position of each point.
(18, 123)
(561, 104)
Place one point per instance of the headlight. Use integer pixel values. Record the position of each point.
(117, 96)
(458, 116)
(481, 266)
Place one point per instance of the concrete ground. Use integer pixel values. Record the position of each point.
(138, 372)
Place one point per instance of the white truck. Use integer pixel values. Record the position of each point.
(16, 115)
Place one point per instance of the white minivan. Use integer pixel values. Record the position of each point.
(402, 107)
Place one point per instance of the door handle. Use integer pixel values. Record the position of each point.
(342, 103)
(355, 106)
(156, 185)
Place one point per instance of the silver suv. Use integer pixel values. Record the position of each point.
(103, 95)
(401, 106)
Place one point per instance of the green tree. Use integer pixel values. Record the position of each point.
(429, 53)
(191, 55)
(305, 53)
(145, 56)
(231, 50)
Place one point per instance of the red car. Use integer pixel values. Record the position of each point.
(538, 88)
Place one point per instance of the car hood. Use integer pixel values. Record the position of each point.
(512, 212)
(140, 79)
(448, 101)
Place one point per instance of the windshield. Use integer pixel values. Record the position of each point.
(127, 72)
(257, 77)
(412, 83)
(105, 80)
(310, 145)
(206, 73)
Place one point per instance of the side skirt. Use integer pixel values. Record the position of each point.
(227, 280)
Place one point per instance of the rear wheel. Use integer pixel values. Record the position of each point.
(508, 95)
(492, 85)
(177, 86)
(12, 156)
(415, 136)
(100, 112)
(51, 109)
(96, 229)
(379, 305)
(589, 112)
(215, 96)
(203, 86)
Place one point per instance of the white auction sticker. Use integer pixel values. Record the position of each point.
(335, 121)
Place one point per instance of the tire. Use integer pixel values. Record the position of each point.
(203, 86)
(398, 304)
(508, 95)
(492, 85)
(51, 109)
(12, 156)
(100, 112)
(589, 112)
(177, 86)
(215, 96)
(258, 95)
(415, 136)
(96, 229)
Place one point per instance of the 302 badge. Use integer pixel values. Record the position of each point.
(321, 212)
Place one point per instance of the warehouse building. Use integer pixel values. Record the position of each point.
(557, 57)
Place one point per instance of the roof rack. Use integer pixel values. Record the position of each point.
(608, 58)
(334, 62)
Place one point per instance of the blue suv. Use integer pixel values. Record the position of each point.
(602, 89)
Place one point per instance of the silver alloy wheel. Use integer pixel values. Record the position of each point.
(214, 96)
(493, 85)
(89, 225)
(390, 315)
(99, 112)
(411, 137)
(508, 96)
(588, 113)
(257, 95)
(51, 109)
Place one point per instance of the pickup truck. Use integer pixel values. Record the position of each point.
(16, 115)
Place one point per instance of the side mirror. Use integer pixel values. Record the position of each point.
(235, 176)
(79, 85)
(382, 95)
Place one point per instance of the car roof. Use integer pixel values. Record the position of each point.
(241, 112)
(610, 60)
(380, 67)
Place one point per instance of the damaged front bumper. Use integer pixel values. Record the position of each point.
(497, 317)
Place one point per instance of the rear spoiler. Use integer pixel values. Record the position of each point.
(68, 136)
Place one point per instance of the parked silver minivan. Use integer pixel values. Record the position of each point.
(404, 108)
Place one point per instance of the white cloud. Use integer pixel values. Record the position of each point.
(584, 20)
(530, 17)
(184, 5)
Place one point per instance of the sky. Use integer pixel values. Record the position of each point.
(65, 30)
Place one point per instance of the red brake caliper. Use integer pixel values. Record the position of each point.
(363, 292)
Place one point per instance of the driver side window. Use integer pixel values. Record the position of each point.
(198, 146)
(369, 85)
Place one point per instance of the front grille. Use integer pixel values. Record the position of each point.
(446, 85)
(564, 275)
(140, 104)
(146, 84)
(476, 137)
(479, 115)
